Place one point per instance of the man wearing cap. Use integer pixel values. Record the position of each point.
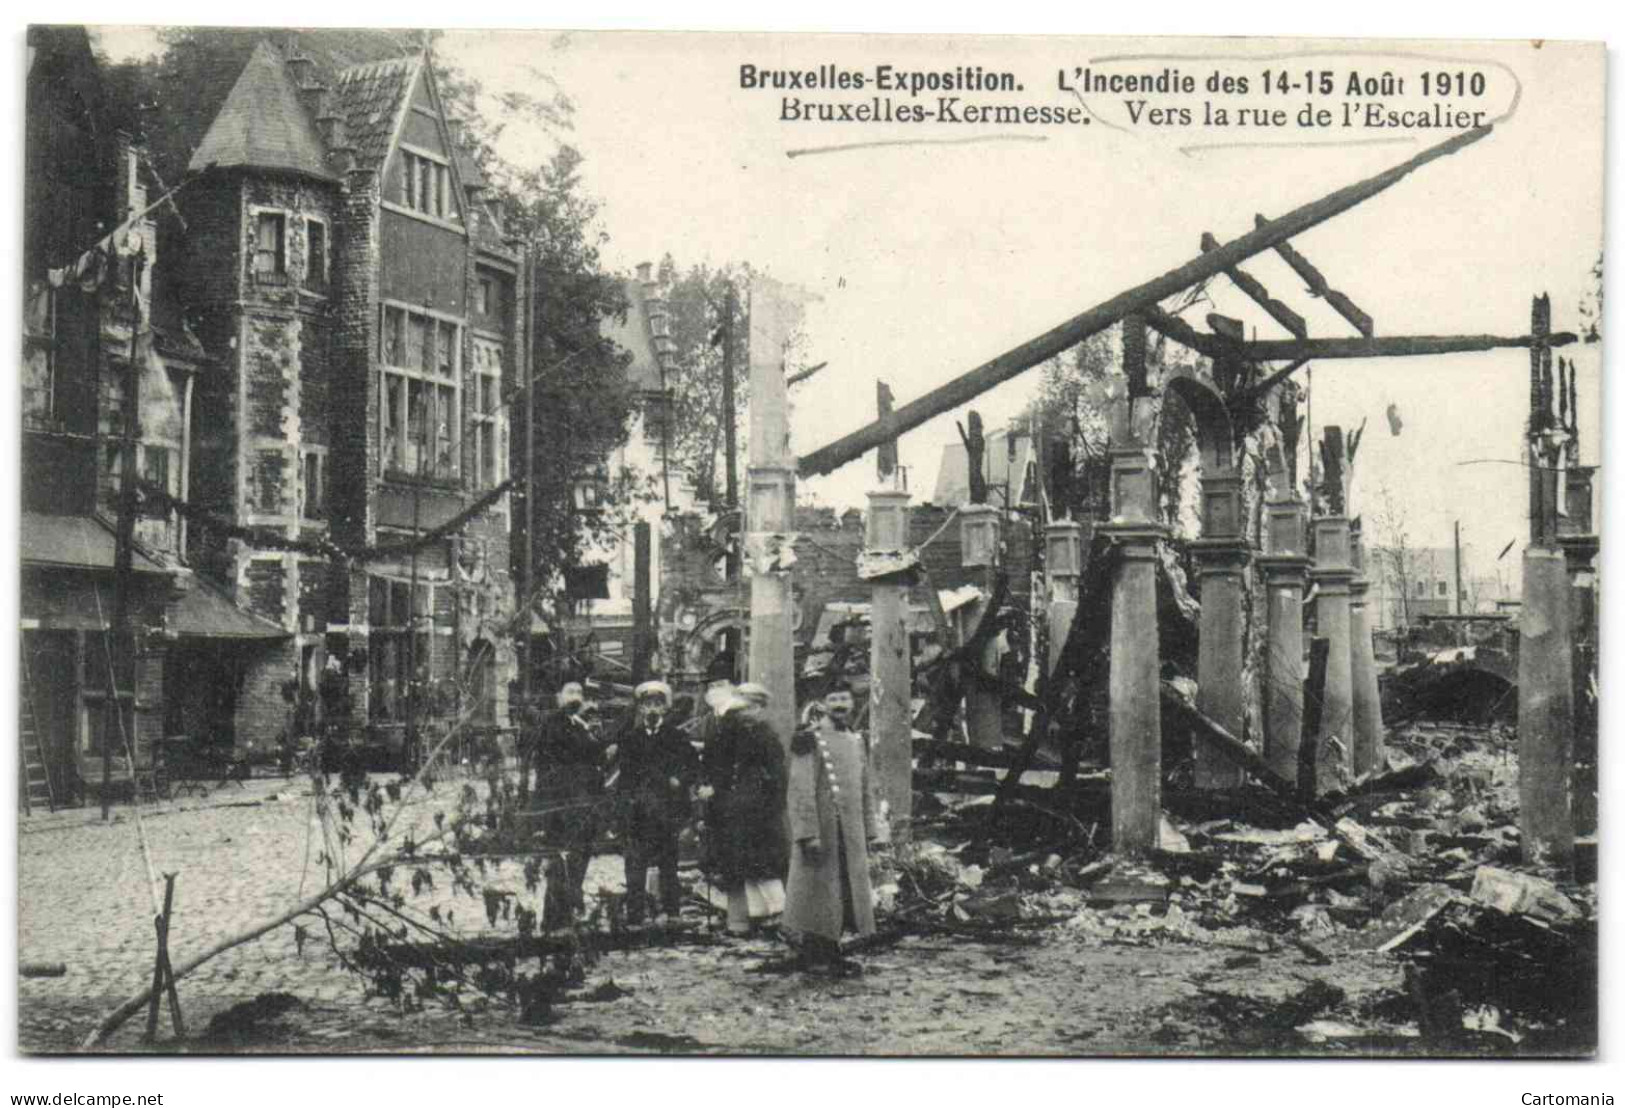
(834, 816)
(569, 793)
(658, 769)
(744, 766)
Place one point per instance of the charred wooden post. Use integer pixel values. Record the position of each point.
(1134, 686)
(1546, 639)
(979, 526)
(1286, 575)
(1369, 754)
(891, 677)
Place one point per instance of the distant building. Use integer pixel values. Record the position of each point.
(1421, 581)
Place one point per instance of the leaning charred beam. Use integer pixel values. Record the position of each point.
(1316, 281)
(1391, 346)
(1254, 288)
(1170, 326)
(968, 386)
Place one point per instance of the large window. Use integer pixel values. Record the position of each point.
(487, 423)
(422, 359)
(426, 185)
(399, 646)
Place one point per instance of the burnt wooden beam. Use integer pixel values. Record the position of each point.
(1268, 383)
(968, 386)
(1259, 295)
(1170, 326)
(1392, 346)
(1316, 281)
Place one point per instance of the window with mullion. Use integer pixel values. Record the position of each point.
(419, 402)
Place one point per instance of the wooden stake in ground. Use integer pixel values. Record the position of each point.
(163, 974)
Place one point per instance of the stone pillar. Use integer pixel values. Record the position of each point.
(772, 601)
(1286, 575)
(1369, 756)
(1063, 566)
(891, 677)
(1135, 685)
(1545, 710)
(1221, 556)
(1332, 574)
(979, 526)
(1580, 545)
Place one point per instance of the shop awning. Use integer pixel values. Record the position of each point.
(204, 612)
(75, 542)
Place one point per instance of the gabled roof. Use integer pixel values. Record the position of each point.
(262, 124)
(635, 335)
(370, 98)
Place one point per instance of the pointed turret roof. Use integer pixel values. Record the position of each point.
(262, 124)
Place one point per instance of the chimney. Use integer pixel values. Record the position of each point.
(644, 269)
(301, 68)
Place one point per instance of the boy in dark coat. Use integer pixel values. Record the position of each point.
(834, 816)
(745, 768)
(658, 771)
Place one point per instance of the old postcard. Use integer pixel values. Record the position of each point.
(630, 543)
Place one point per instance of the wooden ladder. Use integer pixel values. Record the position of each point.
(36, 779)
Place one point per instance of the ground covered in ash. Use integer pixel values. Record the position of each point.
(1417, 931)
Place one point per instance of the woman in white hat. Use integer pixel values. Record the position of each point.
(749, 853)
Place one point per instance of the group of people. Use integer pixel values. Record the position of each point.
(785, 829)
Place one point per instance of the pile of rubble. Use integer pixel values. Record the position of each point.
(1421, 865)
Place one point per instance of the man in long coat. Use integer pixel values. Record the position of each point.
(658, 771)
(834, 816)
(568, 797)
(744, 766)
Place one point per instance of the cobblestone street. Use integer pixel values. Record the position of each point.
(245, 855)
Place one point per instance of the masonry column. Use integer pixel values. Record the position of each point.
(1135, 683)
(891, 678)
(772, 601)
(771, 518)
(1546, 634)
(1222, 557)
(979, 538)
(1063, 566)
(1368, 737)
(1580, 544)
(1332, 574)
(1286, 575)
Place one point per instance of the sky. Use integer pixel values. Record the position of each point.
(928, 260)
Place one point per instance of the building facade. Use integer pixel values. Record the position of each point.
(324, 319)
(344, 271)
